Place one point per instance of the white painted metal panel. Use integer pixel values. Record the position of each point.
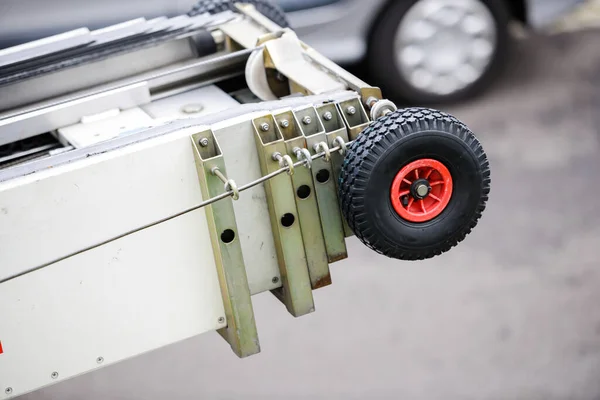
(52, 213)
(144, 291)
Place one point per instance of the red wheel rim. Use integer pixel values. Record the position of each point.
(408, 190)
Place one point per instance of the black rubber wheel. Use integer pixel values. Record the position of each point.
(383, 64)
(265, 7)
(381, 151)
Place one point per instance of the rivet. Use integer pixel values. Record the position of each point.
(192, 108)
(100, 360)
(221, 320)
(8, 390)
(275, 279)
(327, 116)
(264, 127)
(54, 375)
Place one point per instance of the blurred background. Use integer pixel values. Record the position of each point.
(511, 313)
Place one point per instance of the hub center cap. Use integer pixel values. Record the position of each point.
(420, 189)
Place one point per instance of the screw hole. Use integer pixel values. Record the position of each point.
(228, 236)
(8, 390)
(100, 360)
(221, 320)
(323, 176)
(54, 375)
(275, 279)
(303, 192)
(288, 220)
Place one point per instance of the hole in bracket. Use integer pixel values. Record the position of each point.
(303, 192)
(288, 220)
(323, 176)
(228, 236)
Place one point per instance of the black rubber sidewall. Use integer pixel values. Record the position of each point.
(456, 217)
(383, 65)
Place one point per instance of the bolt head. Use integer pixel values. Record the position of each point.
(192, 108)
(351, 110)
(264, 127)
(204, 142)
(284, 123)
(306, 120)
(422, 190)
(328, 116)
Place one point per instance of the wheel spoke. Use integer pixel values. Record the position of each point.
(406, 181)
(423, 206)
(416, 173)
(410, 203)
(428, 174)
(436, 183)
(403, 193)
(433, 196)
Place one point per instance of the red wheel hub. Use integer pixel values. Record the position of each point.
(421, 190)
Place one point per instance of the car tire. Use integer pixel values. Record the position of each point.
(388, 165)
(391, 62)
(265, 7)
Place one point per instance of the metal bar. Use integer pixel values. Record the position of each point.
(306, 202)
(355, 117)
(334, 129)
(325, 189)
(296, 291)
(240, 331)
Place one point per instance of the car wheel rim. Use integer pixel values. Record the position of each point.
(421, 190)
(444, 46)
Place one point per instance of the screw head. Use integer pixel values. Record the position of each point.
(100, 360)
(221, 320)
(192, 108)
(328, 116)
(275, 279)
(264, 127)
(204, 142)
(306, 120)
(54, 375)
(351, 110)
(8, 390)
(284, 123)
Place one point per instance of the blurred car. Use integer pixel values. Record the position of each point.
(422, 51)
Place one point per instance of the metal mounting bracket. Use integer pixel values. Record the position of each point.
(240, 332)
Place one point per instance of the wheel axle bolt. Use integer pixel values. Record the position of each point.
(328, 116)
(264, 127)
(422, 190)
(306, 120)
(284, 123)
(351, 110)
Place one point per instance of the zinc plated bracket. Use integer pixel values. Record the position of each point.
(296, 291)
(335, 128)
(240, 332)
(306, 202)
(325, 188)
(355, 117)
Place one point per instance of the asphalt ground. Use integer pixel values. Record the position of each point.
(511, 313)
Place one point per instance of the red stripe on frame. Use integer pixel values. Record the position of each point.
(1, 351)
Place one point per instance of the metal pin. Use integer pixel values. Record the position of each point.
(328, 116)
(351, 110)
(264, 127)
(284, 123)
(203, 142)
(306, 120)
